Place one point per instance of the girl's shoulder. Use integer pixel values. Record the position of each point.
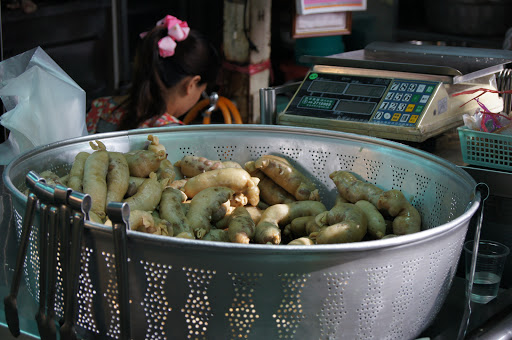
(105, 110)
(163, 120)
(107, 102)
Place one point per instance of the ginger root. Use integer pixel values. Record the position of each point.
(376, 222)
(270, 192)
(241, 227)
(148, 195)
(118, 177)
(191, 166)
(218, 235)
(288, 177)
(268, 228)
(172, 210)
(407, 219)
(143, 221)
(344, 223)
(202, 207)
(239, 180)
(95, 178)
(144, 162)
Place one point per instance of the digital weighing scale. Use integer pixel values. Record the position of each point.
(394, 91)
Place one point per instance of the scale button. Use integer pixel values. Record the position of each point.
(387, 115)
(407, 97)
(396, 117)
(413, 119)
(392, 105)
(430, 88)
(424, 99)
(379, 115)
(403, 87)
(390, 95)
(415, 98)
(419, 108)
(401, 107)
(394, 86)
(384, 105)
(421, 88)
(410, 107)
(404, 118)
(412, 87)
(398, 96)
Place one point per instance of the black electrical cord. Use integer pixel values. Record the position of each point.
(252, 46)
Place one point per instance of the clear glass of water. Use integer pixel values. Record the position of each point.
(490, 261)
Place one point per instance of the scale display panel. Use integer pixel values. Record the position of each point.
(374, 100)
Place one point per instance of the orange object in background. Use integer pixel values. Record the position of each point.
(228, 109)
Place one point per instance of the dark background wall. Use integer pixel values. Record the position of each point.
(79, 35)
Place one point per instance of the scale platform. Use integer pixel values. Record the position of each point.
(395, 91)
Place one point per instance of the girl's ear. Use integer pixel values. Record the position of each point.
(193, 83)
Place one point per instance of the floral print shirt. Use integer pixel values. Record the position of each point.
(102, 118)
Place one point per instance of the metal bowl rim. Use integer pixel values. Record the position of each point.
(278, 249)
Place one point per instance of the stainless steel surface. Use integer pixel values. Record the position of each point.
(465, 60)
(268, 101)
(359, 59)
(500, 328)
(387, 288)
(462, 63)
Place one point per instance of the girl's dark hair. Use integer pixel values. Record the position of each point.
(193, 56)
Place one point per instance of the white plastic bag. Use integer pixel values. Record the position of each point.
(43, 104)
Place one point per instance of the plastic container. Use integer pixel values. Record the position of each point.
(486, 149)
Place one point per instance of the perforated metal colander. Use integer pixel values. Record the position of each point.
(188, 289)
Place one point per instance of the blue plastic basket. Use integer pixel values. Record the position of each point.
(490, 150)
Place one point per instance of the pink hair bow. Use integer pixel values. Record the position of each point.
(177, 30)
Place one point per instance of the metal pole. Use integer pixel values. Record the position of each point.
(115, 44)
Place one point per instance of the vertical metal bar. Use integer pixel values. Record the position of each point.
(115, 43)
(268, 106)
(119, 214)
(268, 101)
(125, 50)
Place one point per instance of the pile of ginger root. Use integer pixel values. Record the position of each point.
(264, 201)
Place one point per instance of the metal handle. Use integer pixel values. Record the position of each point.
(10, 301)
(52, 273)
(43, 268)
(483, 189)
(119, 214)
(67, 331)
(25, 236)
(64, 234)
